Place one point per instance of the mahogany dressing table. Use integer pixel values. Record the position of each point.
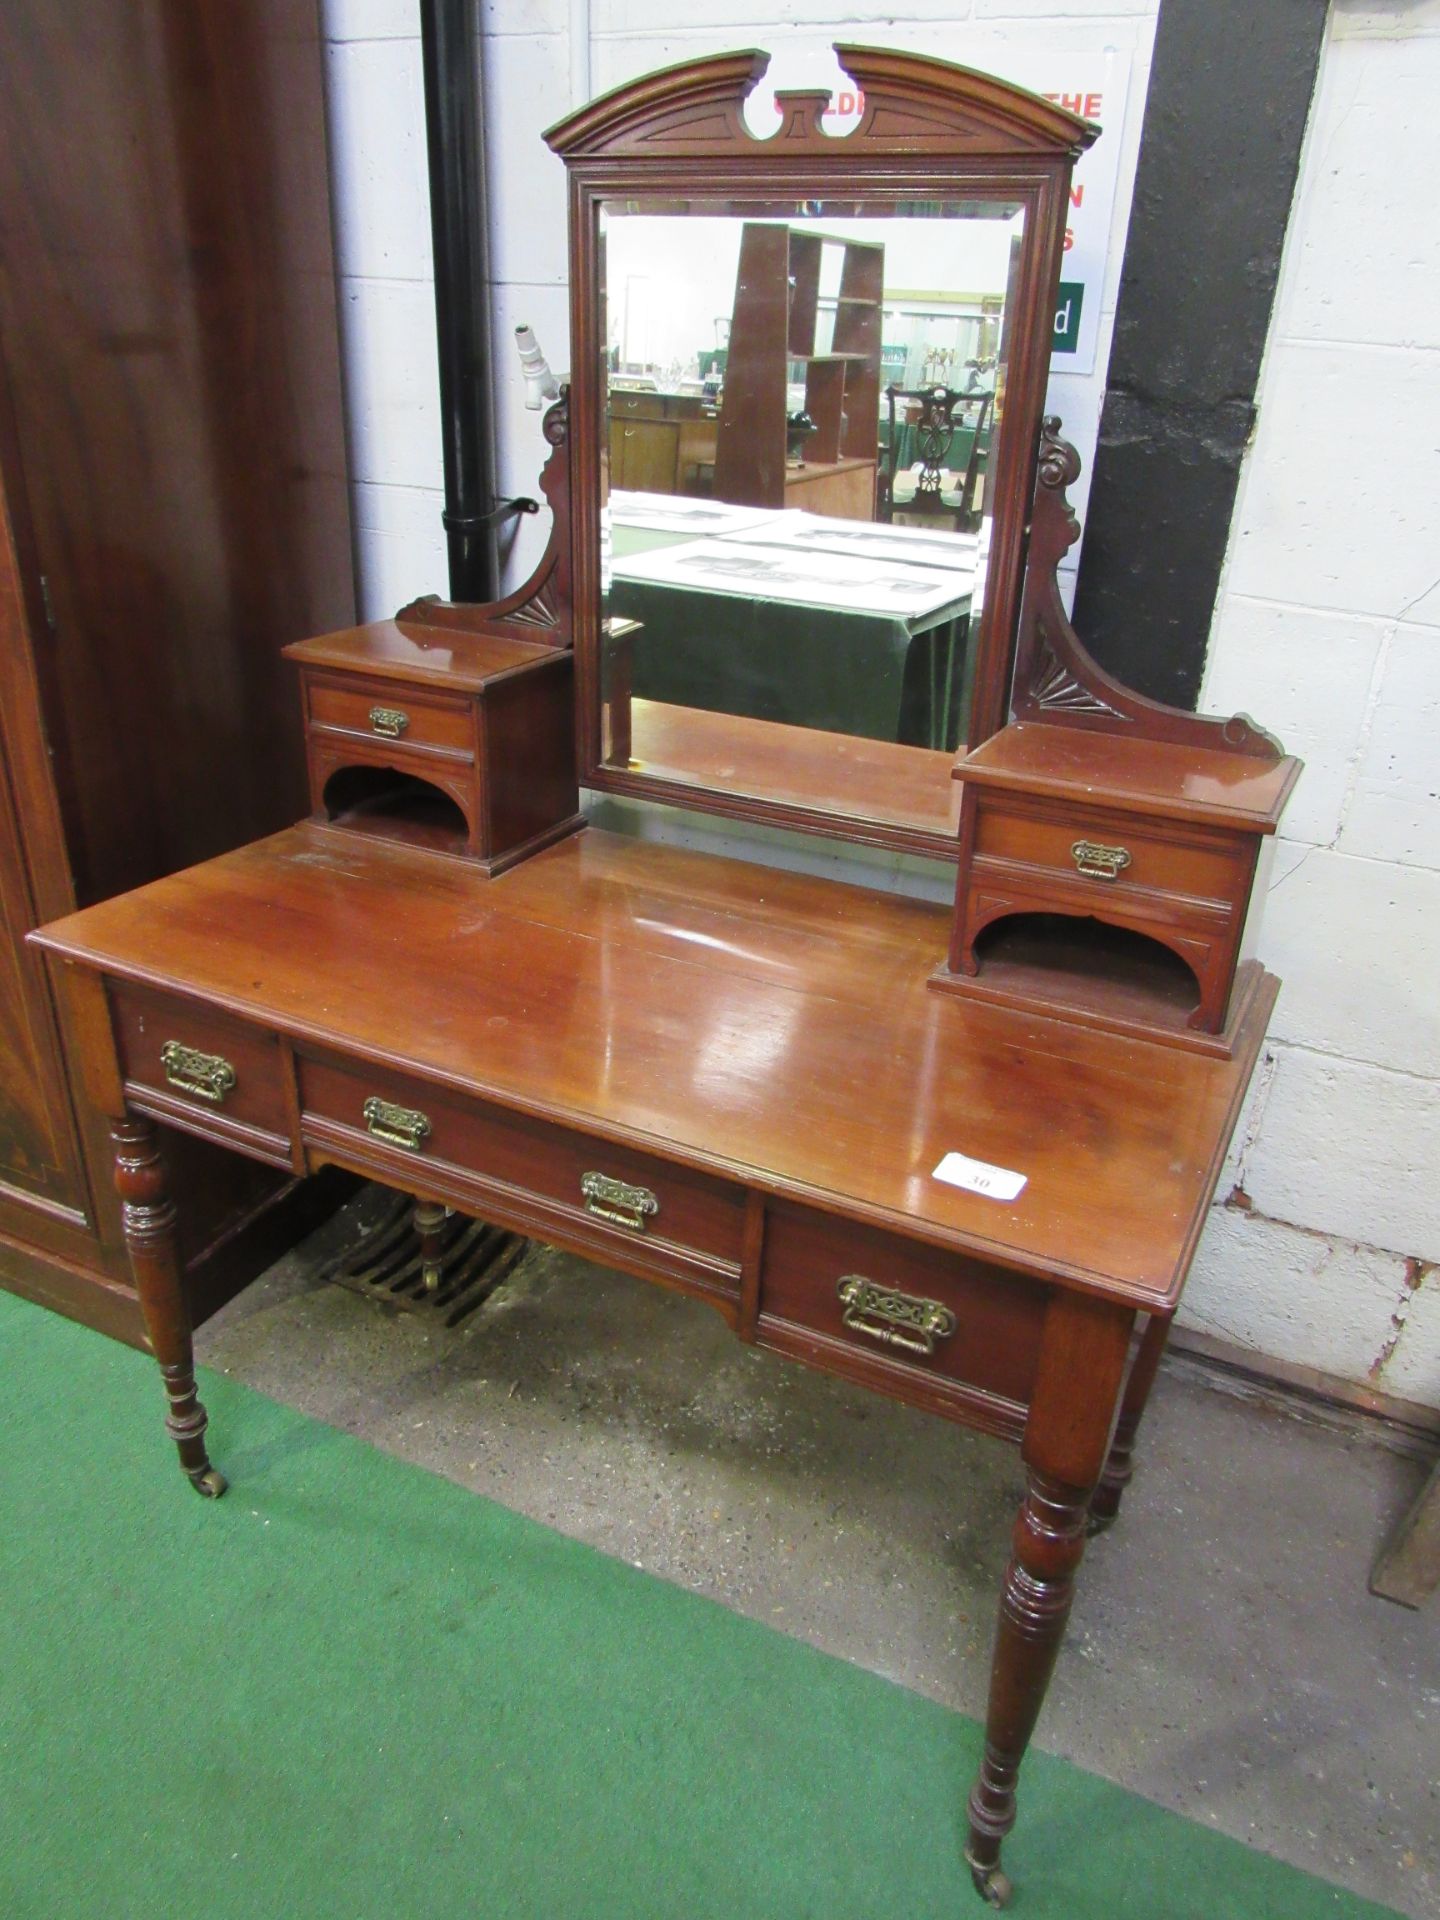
(737, 1082)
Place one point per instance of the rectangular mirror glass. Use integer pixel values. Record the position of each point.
(800, 411)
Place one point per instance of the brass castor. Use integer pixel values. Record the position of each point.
(991, 1883)
(209, 1483)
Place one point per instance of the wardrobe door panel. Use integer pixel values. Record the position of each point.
(167, 314)
(37, 1149)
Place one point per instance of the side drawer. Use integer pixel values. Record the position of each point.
(391, 713)
(546, 1177)
(201, 1068)
(897, 1309)
(1193, 864)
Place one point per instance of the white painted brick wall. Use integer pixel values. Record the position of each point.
(1328, 629)
(1328, 625)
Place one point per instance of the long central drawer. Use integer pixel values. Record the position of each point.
(627, 1206)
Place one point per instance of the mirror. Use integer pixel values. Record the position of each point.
(797, 426)
(804, 427)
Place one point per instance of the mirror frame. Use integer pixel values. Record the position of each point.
(929, 131)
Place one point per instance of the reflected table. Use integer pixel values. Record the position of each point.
(795, 618)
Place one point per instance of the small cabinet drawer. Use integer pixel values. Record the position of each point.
(199, 1062)
(898, 1304)
(392, 714)
(639, 406)
(548, 1177)
(1106, 851)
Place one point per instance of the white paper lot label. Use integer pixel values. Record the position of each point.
(978, 1176)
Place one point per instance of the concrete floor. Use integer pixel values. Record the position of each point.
(1223, 1658)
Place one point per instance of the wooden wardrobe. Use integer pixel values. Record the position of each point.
(173, 510)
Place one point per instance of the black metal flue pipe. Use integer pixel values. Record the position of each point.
(450, 51)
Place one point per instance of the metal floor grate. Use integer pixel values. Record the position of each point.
(385, 1262)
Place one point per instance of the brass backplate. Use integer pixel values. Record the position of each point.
(893, 1318)
(1097, 862)
(618, 1202)
(209, 1076)
(399, 1126)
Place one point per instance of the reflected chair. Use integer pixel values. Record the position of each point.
(935, 452)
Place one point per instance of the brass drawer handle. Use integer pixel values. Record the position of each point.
(399, 1126)
(1097, 862)
(389, 720)
(207, 1075)
(894, 1319)
(621, 1205)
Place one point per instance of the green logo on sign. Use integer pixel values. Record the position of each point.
(1070, 299)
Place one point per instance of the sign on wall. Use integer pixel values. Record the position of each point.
(1092, 85)
(1095, 89)
(1096, 85)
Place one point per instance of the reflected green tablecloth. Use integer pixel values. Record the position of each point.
(870, 674)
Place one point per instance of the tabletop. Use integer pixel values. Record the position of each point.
(771, 1025)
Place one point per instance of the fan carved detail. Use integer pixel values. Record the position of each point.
(1057, 690)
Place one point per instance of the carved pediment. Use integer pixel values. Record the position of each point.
(913, 105)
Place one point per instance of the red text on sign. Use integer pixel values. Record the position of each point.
(1087, 105)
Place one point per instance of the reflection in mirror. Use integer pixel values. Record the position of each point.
(801, 412)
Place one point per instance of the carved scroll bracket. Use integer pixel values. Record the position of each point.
(542, 609)
(1056, 678)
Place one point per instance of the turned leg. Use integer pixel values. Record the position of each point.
(1105, 1504)
(1083, 1350)
(148, 1218)
(430, 1219)
(1034, 1606)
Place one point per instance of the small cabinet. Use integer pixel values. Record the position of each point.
(459, 742)
(661, 442)
(1111, 879)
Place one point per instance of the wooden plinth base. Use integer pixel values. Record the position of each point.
(430, 831)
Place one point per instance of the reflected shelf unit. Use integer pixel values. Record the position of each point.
(776, 326)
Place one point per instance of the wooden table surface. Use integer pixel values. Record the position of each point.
(719, 1014)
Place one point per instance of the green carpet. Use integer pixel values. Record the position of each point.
(352, 1689)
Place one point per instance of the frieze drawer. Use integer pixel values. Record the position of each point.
(899, 1301)
(609, 1197)
(200, 1063)
(391, 714)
